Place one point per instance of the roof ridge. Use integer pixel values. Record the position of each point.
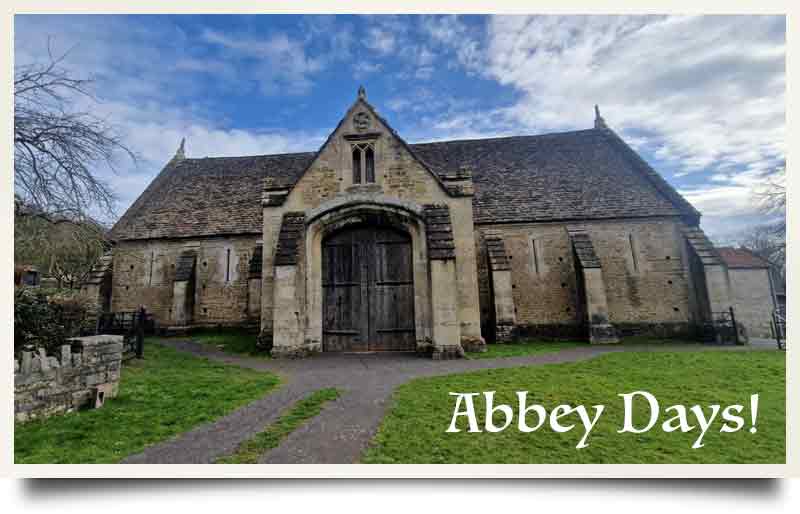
(314, 152)
(523, 136)
(287, 154)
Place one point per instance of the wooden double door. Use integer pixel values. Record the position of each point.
(368, 291)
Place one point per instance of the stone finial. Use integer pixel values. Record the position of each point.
(599, 122)
(181, 153)
(362, 93)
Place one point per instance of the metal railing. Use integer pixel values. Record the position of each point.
(778, 326)
(133, 325)
(721, 328)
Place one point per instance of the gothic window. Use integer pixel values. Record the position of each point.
(363, 163)
(356, 165)
(369, 157)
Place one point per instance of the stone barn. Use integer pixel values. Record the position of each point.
(752, 291)
(374, 244)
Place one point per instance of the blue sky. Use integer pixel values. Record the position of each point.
(701, 98)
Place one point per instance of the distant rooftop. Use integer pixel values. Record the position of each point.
(741, 258)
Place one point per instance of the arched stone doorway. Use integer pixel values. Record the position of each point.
(424, 232)
(367, 290)
(403, 222)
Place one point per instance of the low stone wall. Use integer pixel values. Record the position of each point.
(45, 385)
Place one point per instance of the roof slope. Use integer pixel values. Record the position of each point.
(741, 258)
(209, 196)
(572, 175)
(565, 176)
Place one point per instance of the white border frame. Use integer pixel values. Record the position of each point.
(792, 468)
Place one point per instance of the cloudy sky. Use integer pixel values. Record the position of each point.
(701, 98)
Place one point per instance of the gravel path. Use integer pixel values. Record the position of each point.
(344, 428)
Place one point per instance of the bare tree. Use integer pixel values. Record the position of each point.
(57, 149)
(62, 249)
(769, 244)
(768, 240)
(771, 197)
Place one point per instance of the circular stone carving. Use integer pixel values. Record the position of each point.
(361, 121)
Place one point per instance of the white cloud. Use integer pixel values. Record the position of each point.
(701, 94)
(363, 68)
(154, 133)
(279, 62)
(709, 91)
(451, 32)
(143, 85)
(398, 104)
(704, 96)
(380, 40)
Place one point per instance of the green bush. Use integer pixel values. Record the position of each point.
(46, 318)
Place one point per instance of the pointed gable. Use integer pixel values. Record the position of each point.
(365, 151)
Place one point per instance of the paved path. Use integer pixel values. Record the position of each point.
(344, 428)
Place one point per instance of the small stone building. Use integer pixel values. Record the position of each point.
(752, 290)
(371, 243)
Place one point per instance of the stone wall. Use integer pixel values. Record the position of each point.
(144, 272)
(45, 385)
(399, 177)
(645, 277)
(752, 300)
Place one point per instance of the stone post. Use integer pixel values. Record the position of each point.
(254, 284)
(287, 331)
(288, 324)
(590, 270)
(502, 293)
(446, 327)
(600, 330)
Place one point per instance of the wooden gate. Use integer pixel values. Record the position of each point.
(368, 291)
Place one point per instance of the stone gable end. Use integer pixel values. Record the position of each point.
(398, 172)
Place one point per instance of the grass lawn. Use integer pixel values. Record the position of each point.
(414, 430)
(522, 348)
(160, 396)
(250, 451)
(231, 341)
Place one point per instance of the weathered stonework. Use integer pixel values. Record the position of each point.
(545, 283)
(97, 289)
(752, 300)
(568, 235)
(446, 307)
(46, 385)
(502, 298)
(144, 275)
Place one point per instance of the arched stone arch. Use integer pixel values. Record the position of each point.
(336, 215)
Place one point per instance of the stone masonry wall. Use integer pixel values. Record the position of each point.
(645, 278)
(752, 300)
(144, 271)
(45, 385)
(398, 175)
